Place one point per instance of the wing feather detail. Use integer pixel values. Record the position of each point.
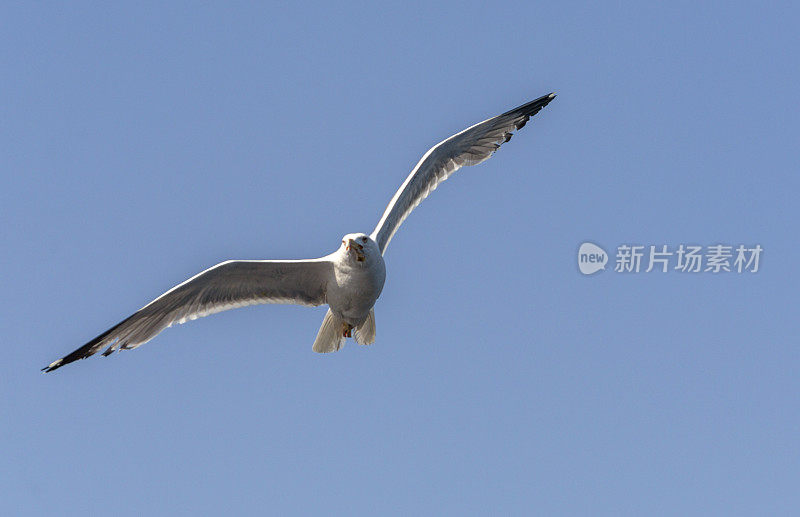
(228, 285)
(472, 146)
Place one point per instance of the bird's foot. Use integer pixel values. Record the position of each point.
(347, 330)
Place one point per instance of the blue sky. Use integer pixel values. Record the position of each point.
(142, 143)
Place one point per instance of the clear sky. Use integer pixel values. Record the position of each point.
(143, 142)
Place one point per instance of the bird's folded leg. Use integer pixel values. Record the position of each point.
(347, 330)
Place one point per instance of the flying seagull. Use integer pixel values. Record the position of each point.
(349, 280)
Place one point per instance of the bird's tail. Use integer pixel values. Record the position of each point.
(364, 334)
(331, 335)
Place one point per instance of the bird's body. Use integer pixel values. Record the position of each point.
(356, 284)
(349, 280)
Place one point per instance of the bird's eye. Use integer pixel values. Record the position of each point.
(363, 239)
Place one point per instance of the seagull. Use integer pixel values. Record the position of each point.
(349, 280)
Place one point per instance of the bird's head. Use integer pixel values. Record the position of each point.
(359, 247)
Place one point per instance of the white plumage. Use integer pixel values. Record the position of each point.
(349, 280)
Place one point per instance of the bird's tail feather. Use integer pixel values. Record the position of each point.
(330, 337)
(365, 333)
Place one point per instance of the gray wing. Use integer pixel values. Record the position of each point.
(227, 285)
(469, 147)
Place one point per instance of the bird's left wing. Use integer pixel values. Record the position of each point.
(228, 285)
(469, 147)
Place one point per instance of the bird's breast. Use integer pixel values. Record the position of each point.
(354, 290)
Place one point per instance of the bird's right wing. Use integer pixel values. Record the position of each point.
(228, 285)
(469, 147)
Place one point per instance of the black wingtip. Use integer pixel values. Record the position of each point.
(55, 365)
(545, 99)
(531, 108)
(85, 351)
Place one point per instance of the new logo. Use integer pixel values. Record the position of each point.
(591, 258)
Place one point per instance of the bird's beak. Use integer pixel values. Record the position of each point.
(358, 248)
(353, 244)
